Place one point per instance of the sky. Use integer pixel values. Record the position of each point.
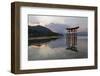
(68, 21)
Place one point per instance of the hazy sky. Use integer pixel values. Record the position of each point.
(69, 21)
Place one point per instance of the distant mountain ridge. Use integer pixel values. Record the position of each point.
(40, 31)
(58, 28)
(61, 29)
(82, 33)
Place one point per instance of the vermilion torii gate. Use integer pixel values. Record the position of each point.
(72, 38)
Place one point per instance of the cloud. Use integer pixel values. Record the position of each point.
(70, 21)
(44, 20)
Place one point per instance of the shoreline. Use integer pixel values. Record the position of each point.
(34, 38)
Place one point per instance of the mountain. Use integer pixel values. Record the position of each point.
(40, 31)
(58, 28)
(61, 29)
(82, 33)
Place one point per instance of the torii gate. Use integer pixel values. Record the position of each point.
(72, 38)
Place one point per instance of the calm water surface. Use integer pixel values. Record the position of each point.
(48, 49)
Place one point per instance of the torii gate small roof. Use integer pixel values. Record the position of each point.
(72, 28)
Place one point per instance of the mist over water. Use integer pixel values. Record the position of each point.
(57, 49)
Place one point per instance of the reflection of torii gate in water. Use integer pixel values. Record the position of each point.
(72, 38)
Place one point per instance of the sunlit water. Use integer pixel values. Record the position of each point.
(57, 49)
